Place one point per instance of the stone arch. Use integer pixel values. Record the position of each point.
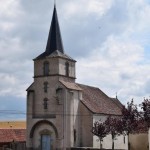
(43, 122)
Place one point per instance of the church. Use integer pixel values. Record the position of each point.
(61, 112)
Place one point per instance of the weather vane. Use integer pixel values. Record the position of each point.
(116, 95)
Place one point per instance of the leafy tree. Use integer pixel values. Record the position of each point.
(129, 120)
(114, 127)
(130, 117)
(99, 129)
(146, 111)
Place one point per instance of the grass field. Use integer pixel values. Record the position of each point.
(13, 125)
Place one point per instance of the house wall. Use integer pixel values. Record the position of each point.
(138, 141)
(86, 127)
(119, 143)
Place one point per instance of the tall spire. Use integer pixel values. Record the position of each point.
(54, 41)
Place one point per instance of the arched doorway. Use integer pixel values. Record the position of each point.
(44, 135)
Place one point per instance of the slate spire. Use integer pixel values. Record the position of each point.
(54, 41)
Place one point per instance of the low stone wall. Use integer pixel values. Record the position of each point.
(149, 138)
(88, 148)
(14, 146)
(138, 141)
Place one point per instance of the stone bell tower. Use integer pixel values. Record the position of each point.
(48, 99)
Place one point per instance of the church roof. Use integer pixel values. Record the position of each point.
(56, 53)
(54, 43)
(9, 135)
(71, 85)
(98, 102)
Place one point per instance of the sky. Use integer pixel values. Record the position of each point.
(109, 39)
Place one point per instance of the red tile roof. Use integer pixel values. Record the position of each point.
(10, 135)
(98, 102)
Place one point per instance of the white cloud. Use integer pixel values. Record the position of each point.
(10, 46)
(116, 67)
(10, 13)
(13, 86)
(10, 8)
(98, 8)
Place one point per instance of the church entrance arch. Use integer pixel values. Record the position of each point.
(43, 122)
(44, 135)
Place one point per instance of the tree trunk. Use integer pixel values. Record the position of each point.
(113, 144)
(100, 144)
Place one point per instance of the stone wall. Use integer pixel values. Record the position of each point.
(138, 141)
(14, 146)
(87, 123)
(149, 138)
(90, 148)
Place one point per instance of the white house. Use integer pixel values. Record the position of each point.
(61, 112)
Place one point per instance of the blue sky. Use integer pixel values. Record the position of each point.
(109, 39)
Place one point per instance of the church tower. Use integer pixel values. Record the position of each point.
(54, 62)
(49, 98)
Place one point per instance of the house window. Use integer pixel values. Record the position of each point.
(45, 103)
(46, 68)
(45, 87)
(67, 69)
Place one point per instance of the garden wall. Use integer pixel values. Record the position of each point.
(138, 141)
(89, 148)
(149, 138)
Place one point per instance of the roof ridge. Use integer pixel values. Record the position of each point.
(88, 85)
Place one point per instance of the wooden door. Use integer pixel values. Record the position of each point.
(46, 142)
